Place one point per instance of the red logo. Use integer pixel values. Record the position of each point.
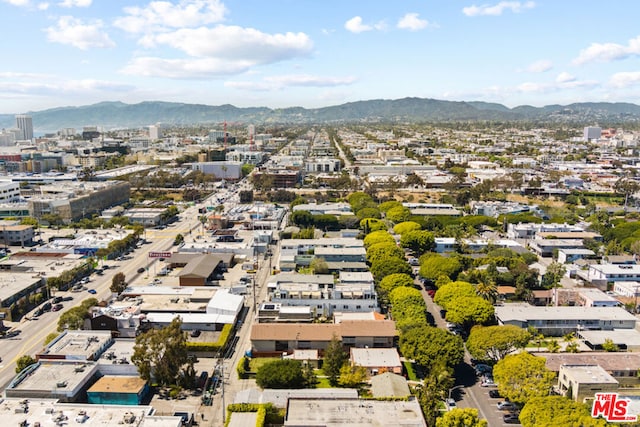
(613, 408)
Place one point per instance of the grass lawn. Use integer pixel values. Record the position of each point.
(257, 362)
(411, 375)
(323, 383)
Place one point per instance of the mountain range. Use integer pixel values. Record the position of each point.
(118, 115)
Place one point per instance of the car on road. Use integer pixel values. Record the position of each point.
(195, 333)
(505, 405)
(511, 418)
(56, 307)
(451, 404)
(487, 381)
(92, 291)
(141, 270)
(482, 369)
(495, 394)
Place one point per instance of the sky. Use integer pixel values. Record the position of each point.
(315, 53)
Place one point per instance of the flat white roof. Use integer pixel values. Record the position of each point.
(617, 268)
(526, 312)
(191, 318)
(589, 374)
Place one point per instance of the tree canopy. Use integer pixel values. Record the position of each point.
(452, 290)
(389, 265)
(428, 346)
(379, 236)
(160, 353)
(419, 241)
(523, 376)
(408, 308)
(406, 226)
(284, 373)
(334, 358)
(393, 281)
(552, 411)
(433, 266)
(458, 417)
(469, 310)
(75, 316)
(492, 343)
(383, 251)
(398, 214)
(118, 283)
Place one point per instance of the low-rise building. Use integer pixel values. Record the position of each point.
(580, 382)
(377, 360)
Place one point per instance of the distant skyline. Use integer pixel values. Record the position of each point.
(313, 53)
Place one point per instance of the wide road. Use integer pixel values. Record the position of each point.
(33, 332)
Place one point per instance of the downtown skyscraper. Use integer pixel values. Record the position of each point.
(24, 122)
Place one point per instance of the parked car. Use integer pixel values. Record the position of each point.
(487, 381)
(56, 300)
(56, 307)
(495, 394)
(507, 406)
(451, 404)
(92, 291)
(141, 270)
(482, 369)
(195, 333)
(512, 418)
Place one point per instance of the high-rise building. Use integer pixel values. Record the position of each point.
(592, 132)
(24, 122)
(154, 132)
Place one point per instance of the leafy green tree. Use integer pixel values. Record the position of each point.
(118, 283)
(553, 346)
(161, 353)
(385, 206)
(487, 290)
(434, 389)
(433, 266)
(352, 376)
(74, 317)
(398, 214)
(552, 277)
(458, 417)
(389, 265)
(383, 251)
(469, 311)
(52, 336)
(284, 373)
(492, 343)
(392, 281)
(319, 266)
(302, 219)
(379, 236)
(334, 358)
(368, 213)
(609, 346)
(450, 291)
(406, 226)
(523, 376)
(419, 241)
(557, 411)
(310, 378)
(178, 240)
(429, 346)
(23, 362)
(408, 308)
(371, 224)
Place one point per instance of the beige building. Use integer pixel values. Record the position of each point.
(580, 382)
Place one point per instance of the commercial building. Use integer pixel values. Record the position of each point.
(118, 390)
(579, 382)
(24, 122)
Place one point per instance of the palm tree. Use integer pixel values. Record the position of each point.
(488, 290)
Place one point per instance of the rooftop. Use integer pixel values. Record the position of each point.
(589, 374)
(526, 312)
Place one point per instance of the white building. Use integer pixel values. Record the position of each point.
(24, 122)
(591, 133)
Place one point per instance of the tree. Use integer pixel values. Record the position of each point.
(408, 308)
(487, 289)
(555, 272)
(389, 265)
(398, 214)
(319, 265)
(178, 240)
(393, 281)
(406, 226)
(434, 389)
(553, 346)
(118, 283)
(451, 291)
(467, 417)
(523, 376)
(302, 219)
(383, 251)
(609, 346)
(352, 376)
(469, 311)
(386, 206)
(492, 343)
(160, 353)
(433, 266)
(557, 411)
(429, 346)
(627, 187)
(379, 236)
(52, 336)
(334, 358)
(74, 317)
(368, 213)
(284, 373)
(246, 196)
(23, 362)
(419, 241)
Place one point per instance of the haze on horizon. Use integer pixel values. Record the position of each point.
(312, 54)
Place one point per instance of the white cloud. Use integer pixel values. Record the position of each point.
(184, 68)
(235, 43)
(625, 79)
(540, 66)
(162, 15)
(38, 85)
(74, 32)
(297, 80)
(355, 25)
(17, 2)
(43, 6)
(412, 22)
(565, 77)
(498, 9)
(606, 52)
(75, 3)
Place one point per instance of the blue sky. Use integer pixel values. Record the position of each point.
(314, 53)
